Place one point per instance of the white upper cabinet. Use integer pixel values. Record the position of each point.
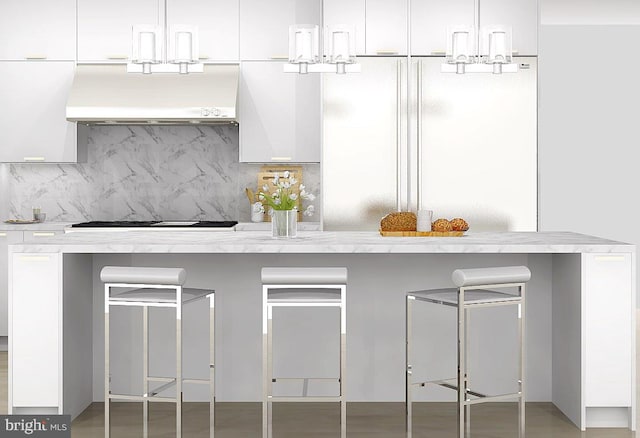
(429, 22)
(349, 12)
(386, 22)
(105, 27)
(279, 114)
(38, 29)
(33, 126)
(521, 15)
(430, 19)
(217, 22)
(264, 26)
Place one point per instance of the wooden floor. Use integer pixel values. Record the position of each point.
(311, 420)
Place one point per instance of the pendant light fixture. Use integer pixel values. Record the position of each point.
(164, 49)
(479, 50)
(304, 50)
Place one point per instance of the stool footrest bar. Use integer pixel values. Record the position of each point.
(493, 398)
(142, 398)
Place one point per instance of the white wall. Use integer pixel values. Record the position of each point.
(589, 123)
(589, 12)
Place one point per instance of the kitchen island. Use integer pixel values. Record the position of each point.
(580, 313)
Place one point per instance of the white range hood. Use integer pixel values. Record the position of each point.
(107, 94)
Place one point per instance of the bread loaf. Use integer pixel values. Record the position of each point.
(399, 221)
(459, 224)
(441, 225)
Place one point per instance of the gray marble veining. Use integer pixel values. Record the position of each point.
(142, 173)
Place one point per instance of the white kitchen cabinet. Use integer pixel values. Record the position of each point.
(431, 18)
(264, 26)
(6, 238)
(521, 15)
(608, 288)
(279, 114)
(38, 29)
(217, 22)
(36, 354)
(33, 126)
(105, 27)
(429, 22)
(386, 27)
(349, 12)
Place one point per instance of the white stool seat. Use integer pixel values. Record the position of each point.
(138, 275)
(449, 296)
(304, 275)
(485, 276)
(160, 296)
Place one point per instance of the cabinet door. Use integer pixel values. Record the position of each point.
(32, 236)
(429, 22)
(105, 27)
(521, 15)
(351, 12)
(386, 22)
(279, 114)
(38, 29)
(218, 25)
(6, 238)
(264, 26)
(35, 338)
(33, 126)
(609, 347)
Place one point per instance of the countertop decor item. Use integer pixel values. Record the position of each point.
(422, 233)
(21, 221)
(283, 198)
(267, 175)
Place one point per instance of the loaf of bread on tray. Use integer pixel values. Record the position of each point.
(459, 224)
(441, 225)
(399, 221)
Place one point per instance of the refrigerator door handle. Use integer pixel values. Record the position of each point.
(419, 134)
(398, 135)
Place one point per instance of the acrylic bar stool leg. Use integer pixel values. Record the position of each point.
(521, 401)
(265, 431)
(467, 382)
(269, 371)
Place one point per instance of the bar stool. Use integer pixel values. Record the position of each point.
(301, 287)
(155, 287)
(475, 290)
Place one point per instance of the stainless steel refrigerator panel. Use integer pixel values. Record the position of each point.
(364, 144)
(478, 146)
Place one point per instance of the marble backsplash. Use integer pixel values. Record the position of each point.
(143, 173)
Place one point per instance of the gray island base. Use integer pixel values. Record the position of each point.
(580, 346)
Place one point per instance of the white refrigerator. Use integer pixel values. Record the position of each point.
(460, 145)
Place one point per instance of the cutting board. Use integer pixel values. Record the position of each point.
(422, 233)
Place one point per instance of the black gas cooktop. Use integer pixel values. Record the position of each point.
(154, 224)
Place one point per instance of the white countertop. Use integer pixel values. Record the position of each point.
(42, 226)
(320, 242)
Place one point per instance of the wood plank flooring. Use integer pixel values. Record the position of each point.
(311, 420)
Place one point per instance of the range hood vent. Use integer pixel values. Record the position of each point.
(107, 94)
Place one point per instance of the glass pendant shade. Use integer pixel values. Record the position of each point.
(183, 46)
(146, 47)
(497, 44)
(460, 45)
(340, 43)
(304, 44)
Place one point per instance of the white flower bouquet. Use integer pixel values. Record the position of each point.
(286, 195)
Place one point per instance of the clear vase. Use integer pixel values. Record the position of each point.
(284, 224)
